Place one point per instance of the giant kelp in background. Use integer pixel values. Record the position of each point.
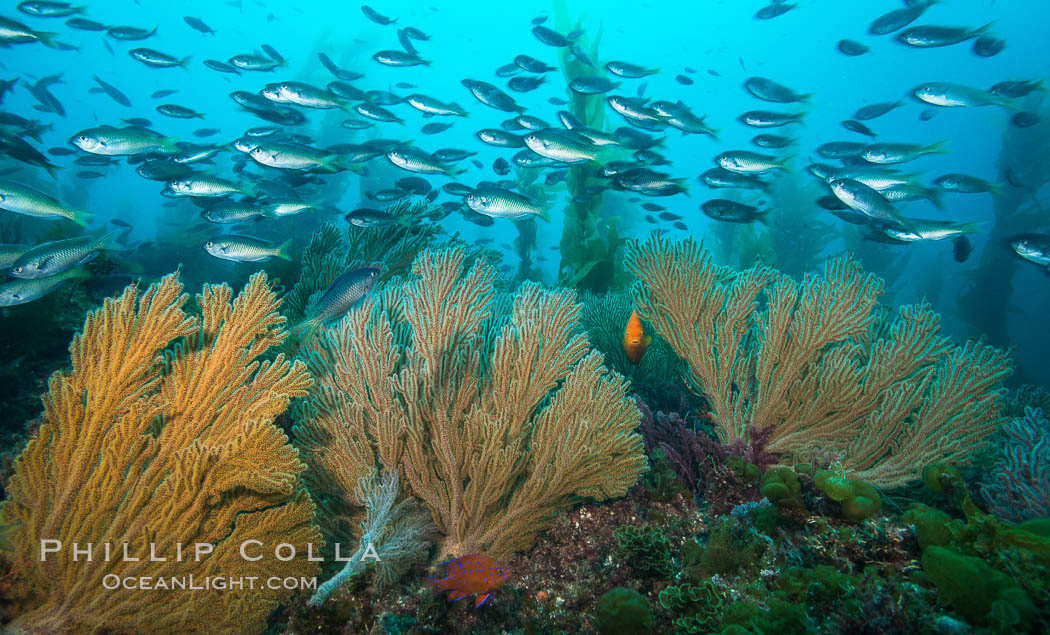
(589, 240)
(891, 261)
(1024, 168)
(799, 229)
(791, 235)
(525, 242)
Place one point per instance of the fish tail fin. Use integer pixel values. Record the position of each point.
(47, 38)
(305, 330)
(941, 147)
(168, 145)
(970, 228)
(81, 217)
(544, 215)
(984, 28)
(115, 240)
(284, 250)
(248, 189)
(804, 97)
(332, 162)
(783, 163)
(79, 274)
(184, 63)
(462, 111)
(995, 189)
(935, 196)
(1006, 102)
(684, 184)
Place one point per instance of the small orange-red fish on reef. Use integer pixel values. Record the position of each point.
(470, 574)
(635, 341)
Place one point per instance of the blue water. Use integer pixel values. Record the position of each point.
(471, 39)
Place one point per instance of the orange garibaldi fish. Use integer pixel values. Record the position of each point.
(470, 574)
(635, 341)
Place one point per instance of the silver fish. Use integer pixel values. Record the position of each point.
(110, 141)
(747, 162)
(933, 36)
(156, 59)
(247, 249)
(17, 292)
(20, 199)
(50, 258)
(492, 96)
(628, 70)
(769, 90)
(498, 202)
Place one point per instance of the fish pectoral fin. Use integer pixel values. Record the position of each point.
(481, 600)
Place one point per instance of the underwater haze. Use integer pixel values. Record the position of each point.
(619, 317)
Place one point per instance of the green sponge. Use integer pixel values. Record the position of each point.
(624, 612)
(859, 500)
(974, 588)
(780, 485)
(932, 526)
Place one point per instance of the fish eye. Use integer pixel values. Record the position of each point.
(208, 244)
